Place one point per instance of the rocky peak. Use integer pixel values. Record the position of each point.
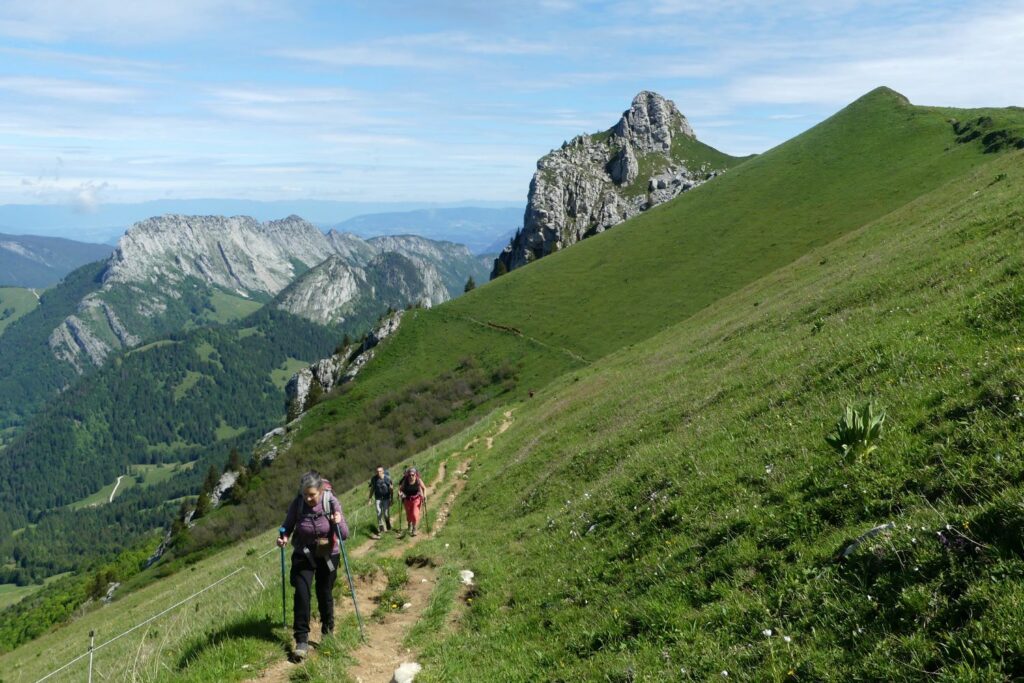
(597, 181)
(651, 123)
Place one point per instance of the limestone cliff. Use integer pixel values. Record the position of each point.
(337, 291)
(173, 271)
(597, 181)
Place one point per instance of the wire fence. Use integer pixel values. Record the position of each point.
(92, 650)
(353, 525)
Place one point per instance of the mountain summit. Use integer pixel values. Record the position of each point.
(597, 181)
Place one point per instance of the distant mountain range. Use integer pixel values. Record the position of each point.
(483, 230)
(39, 262)
(109, 221)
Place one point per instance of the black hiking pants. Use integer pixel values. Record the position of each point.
(303, 574)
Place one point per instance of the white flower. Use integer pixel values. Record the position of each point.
(787, 639)
(725, 674)
(767, 633)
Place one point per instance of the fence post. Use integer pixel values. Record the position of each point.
(92, 642)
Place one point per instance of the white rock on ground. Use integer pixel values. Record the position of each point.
(406, 673)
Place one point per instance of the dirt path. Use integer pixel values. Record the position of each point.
(383, 652)
(116, 484)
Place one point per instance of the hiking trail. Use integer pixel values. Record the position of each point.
(383, 652)
(116, 484)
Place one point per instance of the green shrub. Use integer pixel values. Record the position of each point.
(856, 432)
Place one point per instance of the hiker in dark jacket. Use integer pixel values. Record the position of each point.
(310, 525)
(413, 494)
(381, 491)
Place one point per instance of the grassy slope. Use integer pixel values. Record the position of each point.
(18, 301)
(699, 456)
(629, 283)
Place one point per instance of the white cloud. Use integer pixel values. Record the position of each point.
(61, 89)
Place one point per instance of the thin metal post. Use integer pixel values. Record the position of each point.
(92, 643)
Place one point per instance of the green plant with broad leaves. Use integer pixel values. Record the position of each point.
(857, 431)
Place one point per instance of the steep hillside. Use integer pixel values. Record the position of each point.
(674, 512)
(192, 397)
(29, 375)
(35, 261)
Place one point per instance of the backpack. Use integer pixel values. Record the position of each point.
(381, 486)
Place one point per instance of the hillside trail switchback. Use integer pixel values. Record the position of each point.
(383, 652)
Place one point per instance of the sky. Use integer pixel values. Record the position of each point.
(107, 101)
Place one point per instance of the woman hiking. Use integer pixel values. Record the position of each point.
(413, 494)
(310, 525)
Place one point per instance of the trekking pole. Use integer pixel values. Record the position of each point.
(284, 609)
(351, 585)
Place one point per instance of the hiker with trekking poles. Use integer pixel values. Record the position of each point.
(414, 497)
(381, 491)
(316, 528)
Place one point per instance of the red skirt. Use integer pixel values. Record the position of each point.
(413, 509)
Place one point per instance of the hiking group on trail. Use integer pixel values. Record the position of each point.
(411, 491)
(315, 526)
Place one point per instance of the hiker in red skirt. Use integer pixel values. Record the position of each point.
(413, 494)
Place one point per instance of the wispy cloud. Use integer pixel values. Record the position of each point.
(60, 89)
(115, 21)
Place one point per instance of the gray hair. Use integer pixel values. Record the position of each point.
(310, 480)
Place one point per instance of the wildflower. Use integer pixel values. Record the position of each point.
(787, 639)
(767, 633)
(725, 674)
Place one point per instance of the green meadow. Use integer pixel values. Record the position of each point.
(14, 303)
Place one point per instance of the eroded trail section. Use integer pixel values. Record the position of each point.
(384, 652)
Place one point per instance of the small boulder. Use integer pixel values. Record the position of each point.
(406, 673)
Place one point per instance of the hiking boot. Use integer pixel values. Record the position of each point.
(301, 650)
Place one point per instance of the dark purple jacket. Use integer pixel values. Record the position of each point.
(305, 524)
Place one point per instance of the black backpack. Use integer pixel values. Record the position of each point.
(381, 486)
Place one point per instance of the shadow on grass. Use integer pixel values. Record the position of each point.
(261, 628)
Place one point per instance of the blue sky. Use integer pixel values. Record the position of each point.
(113, 101)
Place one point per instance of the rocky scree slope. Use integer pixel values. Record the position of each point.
(172, 271)
(597, 181)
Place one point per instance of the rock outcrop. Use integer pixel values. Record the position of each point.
(338, 369)
(597, 181)
(336, 291)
